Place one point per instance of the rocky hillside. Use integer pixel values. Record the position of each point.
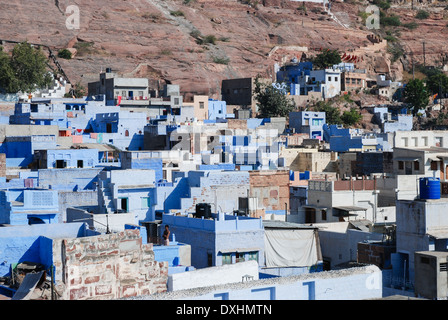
(197, 43)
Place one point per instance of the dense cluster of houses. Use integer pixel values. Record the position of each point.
(89, 186)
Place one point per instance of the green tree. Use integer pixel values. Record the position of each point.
(8, 81)
(271, 101)
(332, 114)
(422, 14)
(416, 94)
(65, 54)
(352, 117)
(29, 65)
(437, 83)
(326, 59)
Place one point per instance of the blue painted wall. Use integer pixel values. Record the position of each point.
(26, 243)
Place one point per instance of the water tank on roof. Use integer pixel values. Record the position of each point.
(429, 188)
(203, 210)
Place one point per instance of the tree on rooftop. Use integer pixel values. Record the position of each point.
(326, 59)
(416, 94)
(271, 101)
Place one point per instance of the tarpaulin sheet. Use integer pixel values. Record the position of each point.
(290, 248)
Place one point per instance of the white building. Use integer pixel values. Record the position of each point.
(326, 81)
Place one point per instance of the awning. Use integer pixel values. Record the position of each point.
(314, 207)
(346, 211)
(351, 208)
(406, 159)
(239, 250)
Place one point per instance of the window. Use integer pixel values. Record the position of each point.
(80, 164)
(124, 204)
(416, 165)
(209, 259)
(253, 256)
(201, 105)
(240, 257)
(336, 79)
(329, 78)
(405, 141)
(324, 214)
(176, 101)
(146, 203)
(400, 165)
(226, 258)
(60, 164)
(434, 165)
(444, 266)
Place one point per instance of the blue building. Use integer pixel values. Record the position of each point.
(67, 158)
(216, 109)
(346, 139)
(142, 160)
(224, 239)
(291, 73)
(308, 122)
(29, 206)
(128, 191)
(34, 243)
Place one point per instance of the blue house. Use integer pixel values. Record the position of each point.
(223, 239)
(290, 73)
(346, 139)
(128, 191)
(29, 206)
(216, 109)
(308, 122)
(67, 158)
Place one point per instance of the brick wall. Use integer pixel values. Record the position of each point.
(107, 267)
(2, 165)
(271, 188)
(374, 253)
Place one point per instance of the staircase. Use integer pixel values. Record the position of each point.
(327, 10)
(105, 197)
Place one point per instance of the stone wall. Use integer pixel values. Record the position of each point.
(271, 188)
(105, 267)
